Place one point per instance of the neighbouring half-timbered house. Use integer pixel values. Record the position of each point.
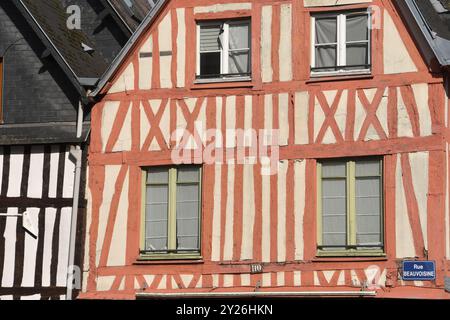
(51, 53)
(282, 147)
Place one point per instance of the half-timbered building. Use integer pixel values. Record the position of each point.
(282, 147)
(51, 53)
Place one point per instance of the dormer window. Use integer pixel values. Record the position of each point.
(340, 43)
(224, 51)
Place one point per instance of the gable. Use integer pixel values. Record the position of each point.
(165, 55)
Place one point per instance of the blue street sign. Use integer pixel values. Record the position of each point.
(419, 271)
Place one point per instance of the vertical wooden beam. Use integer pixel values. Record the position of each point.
(309, 222)
(436, 212)
(256, 44)
(412, 205)
(208, 180)
(390, 165)
(134, 214)
(96, 185)
(191, 45)
(257, 123)
(174, 66)
(238, 184)
(276, 13)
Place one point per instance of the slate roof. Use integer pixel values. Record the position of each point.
(439, 23)
(446, 4)
(55, 65)
(51, 17)
(42, 133)
(132, 15)
(145, 24)
(429, 21)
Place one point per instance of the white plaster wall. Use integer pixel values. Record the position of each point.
(125, 82)
(403, 232)
(266, 44)
(396, 56)
(223, 7)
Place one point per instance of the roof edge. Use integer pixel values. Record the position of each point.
(117, 62)
(435, 42)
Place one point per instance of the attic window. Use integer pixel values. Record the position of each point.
(224, 50)
(341, 43)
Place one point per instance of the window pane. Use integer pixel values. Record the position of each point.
(357, 54)
(158, 175)
(368, 211)
(334, 212)
(188, 217)
(239, 36)
(157, 194)
(334, 169)
(357, 28)
(156, 216)
(326, 30)
(239, 62)
(210, 64)
(188, 174)
(366, 168)
(326, 56)
(210, 38)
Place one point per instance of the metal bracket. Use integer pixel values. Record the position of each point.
(27, 224)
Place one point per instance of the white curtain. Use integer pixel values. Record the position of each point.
(357, 30)
(334, 204)
(368, 203)
(239, 58)
(188, 208)
(326, 33)
(156, 217)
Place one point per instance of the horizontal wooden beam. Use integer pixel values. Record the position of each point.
(24, 202)
(292, 152)
(44, 291)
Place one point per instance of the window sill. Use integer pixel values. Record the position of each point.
(350, 255)
(339, 77)
(169, 259)
(349, 259)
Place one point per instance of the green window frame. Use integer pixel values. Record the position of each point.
(352, 246)
(173, 186)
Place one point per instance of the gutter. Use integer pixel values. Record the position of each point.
(77, 154)
(259, 294)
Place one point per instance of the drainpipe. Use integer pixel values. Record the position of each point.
(77, 154)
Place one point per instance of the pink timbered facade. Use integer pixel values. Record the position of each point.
(385, 108)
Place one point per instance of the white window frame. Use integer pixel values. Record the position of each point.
(224, 52)
(341, 52)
